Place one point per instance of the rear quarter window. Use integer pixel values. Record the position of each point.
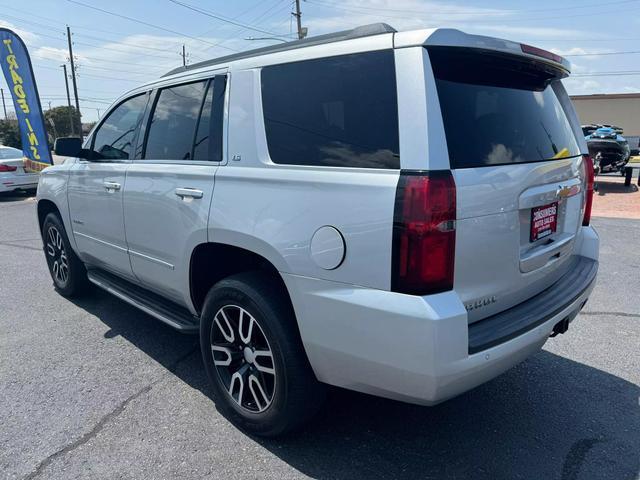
(339, 111)
(499, 109)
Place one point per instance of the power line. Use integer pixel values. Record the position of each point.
(277, 4)
(53, 29)
(37, 24)
(62, 98)
(472, 13)
(145, 47)
(95, 76)
(211, 14)
(618, 73)
(117, 62)
(601, 53)
(112, 78)
(573, 40)
(81, 27)
(142, 22)
(120, 50)
(364, 11)
(253, 22)
(120, 70)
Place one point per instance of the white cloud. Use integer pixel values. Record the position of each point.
(27, 36)
(583, 55)
(582, 86)
(51, 53)
(542, 32)
(401, 14)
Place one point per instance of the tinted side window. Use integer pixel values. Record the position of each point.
(201, 145)
(173, 122)
(114, 138)
(338, 111)
(208, 141)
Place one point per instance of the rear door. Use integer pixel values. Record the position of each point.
(513, 150)
(169, 189)
(96, 187)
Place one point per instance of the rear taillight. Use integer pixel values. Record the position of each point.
(8, 168)
(588, 193)
(424, 235)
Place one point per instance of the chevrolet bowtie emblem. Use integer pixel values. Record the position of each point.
(564, 191)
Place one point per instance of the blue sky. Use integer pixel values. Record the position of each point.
(114, 53)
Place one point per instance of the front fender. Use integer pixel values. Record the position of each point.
(52, 187)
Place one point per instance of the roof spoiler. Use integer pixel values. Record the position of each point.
(449, 37)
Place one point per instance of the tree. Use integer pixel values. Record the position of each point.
(59, 120)
(10, 134)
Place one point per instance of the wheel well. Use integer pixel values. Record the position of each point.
(45, 207)
(211, 262)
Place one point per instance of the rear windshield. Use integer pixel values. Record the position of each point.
(499, 110)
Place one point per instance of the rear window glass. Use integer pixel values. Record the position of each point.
(499, 110)
(338, 111)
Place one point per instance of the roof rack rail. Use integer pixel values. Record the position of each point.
(358, 32)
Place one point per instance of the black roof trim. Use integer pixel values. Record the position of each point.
(358, 32)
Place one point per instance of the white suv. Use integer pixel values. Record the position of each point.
(402, 214)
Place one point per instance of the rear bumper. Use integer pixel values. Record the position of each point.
(10, 182)
(537, 310)
(417, 349)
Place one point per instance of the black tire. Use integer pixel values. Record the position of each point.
(296, 395)
(75, 282)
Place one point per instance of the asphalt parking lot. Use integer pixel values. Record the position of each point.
(97, 389)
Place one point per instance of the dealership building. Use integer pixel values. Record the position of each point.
(620, 109)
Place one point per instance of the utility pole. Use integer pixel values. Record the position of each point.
(73, 80)
(4, 107)
(66, 86)
(302, 32)
(49, 105)
(184, 57)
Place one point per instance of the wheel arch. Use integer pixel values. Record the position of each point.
(45, 207)
(213, 261)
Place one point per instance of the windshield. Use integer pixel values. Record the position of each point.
(498, 109)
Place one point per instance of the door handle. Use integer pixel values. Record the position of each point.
(111, 186)
(189, 192)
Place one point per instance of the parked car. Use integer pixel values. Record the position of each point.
(13, 176)
(402, 214)
(608, 148)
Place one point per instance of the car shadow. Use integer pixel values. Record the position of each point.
(549, 417)
(605, 187)
(18, 195)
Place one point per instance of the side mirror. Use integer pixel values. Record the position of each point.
(69, 147)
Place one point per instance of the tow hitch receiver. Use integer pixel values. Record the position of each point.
(561, 327)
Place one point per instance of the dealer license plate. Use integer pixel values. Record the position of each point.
(544, 221)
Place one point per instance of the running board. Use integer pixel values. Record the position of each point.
(164, 310)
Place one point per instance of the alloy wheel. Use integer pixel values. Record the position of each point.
(243, 358)
(57, 256)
